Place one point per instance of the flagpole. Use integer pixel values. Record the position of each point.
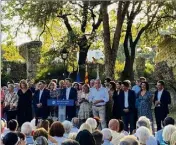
(98, 76)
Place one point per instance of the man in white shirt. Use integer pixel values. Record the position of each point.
(161, 101)
(114, 126)
(70, 93)
(127, 106)
(99, 97)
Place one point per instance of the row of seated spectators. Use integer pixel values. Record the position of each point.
(44, 132)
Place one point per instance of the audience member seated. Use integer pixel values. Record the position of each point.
(26, 128)
(107, 136)
(129, 140)
(12, 127)
(72, 135)
(85, 126)
(98, 136)
(145, 122)
(70, 142)
(57, 131)
(75, 125)
(10, 138)
(67, 127)
(98, 122)
(22, 138)
(93, 123)
(41, 140)
(158, 135)
(45, 124)
(84, 137)
(143, 134)
(114, 126)
(173, 138)
(167, 133)
(121, 128)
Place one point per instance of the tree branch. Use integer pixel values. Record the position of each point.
(84, 16)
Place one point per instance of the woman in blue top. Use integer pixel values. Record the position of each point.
(145, 101)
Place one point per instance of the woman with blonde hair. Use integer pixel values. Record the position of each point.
(85, 106)
(173, 138)
(24, 103)
(167, 133)
(54, 94)
(85, 126)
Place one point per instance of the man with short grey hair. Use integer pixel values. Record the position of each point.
(99, 97)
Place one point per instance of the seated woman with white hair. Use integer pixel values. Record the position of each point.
(144, 120)
(26, 128)
(67, 127)
(85, 126)
(93, 123)
(145, 137)
(107, 136)
(167, 133)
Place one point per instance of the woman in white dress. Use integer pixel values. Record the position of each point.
(85, 107)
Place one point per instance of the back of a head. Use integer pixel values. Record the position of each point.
(92, 122)
(72, 135)
(10, 139)
(85, 138)
(167, 132)
(41, 140)
(114, 124)
(67, 126)
(70, 142)
(98, 136)
(143, 134)
(121, 126)
(26, 128)
(129, 140)
(75, 122)
(85, 126)
(106, 134)
(168, 120)
(40, 132)
(141, 123)
(13, 125)
(145, 119)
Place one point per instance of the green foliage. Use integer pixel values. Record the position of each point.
(119, 66)
(149, 69)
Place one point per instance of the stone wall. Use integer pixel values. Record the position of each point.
(31, 53)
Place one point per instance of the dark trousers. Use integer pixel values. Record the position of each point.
(160, 116)
(128, 119)
(11, 115)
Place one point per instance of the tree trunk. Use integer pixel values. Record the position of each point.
(84, 47)
(128, 73)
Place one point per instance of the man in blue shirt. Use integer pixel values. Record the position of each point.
(99, 97)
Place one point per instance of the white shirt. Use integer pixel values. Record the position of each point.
(40, 94)
(100, 94)
(68, 92)
(59, 139)
(126, 104)
(159, 95)
(116, 137)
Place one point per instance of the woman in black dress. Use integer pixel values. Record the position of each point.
(24, 103)
(116, 105)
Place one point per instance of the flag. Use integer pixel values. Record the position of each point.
(78, 78)
(86, 76)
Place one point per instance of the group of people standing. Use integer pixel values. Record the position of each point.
(112, 99)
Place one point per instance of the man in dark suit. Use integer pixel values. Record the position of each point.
(127, 106)
(161, 101)
(70, 93)
(40, 101)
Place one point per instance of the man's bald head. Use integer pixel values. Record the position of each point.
(114, 124)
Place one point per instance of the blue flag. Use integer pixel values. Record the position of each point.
(78, 79)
